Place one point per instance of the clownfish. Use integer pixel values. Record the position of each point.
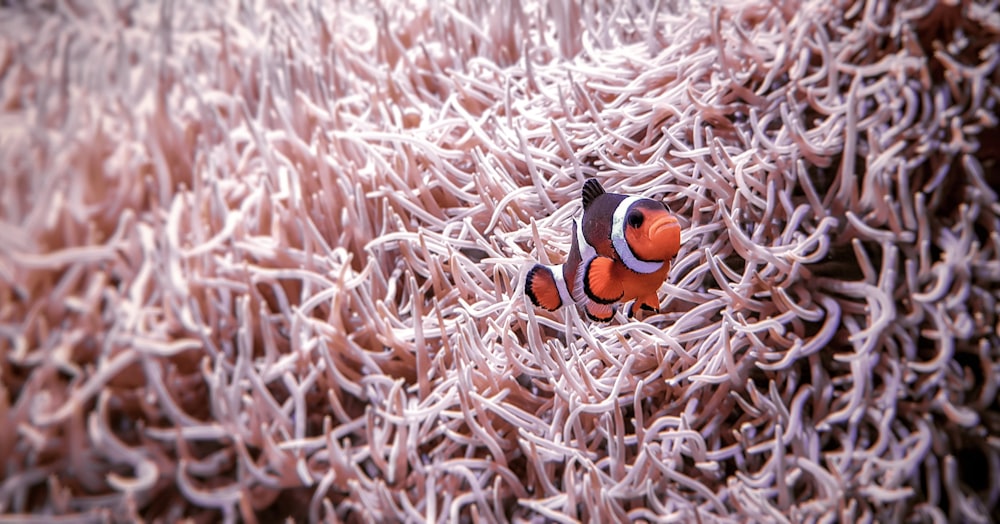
(620, 251)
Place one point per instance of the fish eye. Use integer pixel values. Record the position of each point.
(635, 219)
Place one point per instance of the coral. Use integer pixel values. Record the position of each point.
(264, 259)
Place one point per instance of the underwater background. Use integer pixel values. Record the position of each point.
(264, 260)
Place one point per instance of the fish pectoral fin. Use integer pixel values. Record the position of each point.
(600, 282)
(541, 287)
(648, 303)
(599, 312)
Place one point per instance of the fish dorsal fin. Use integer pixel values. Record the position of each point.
(591, 190)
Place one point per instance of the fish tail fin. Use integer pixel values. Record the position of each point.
(542, 287)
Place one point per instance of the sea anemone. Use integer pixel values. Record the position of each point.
(262, 260)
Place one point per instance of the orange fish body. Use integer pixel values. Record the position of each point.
(621, 251)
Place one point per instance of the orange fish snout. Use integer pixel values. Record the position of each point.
(660, 240)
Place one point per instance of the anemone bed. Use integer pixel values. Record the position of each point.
(265, 259)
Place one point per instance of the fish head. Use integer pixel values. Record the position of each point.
(652, 231)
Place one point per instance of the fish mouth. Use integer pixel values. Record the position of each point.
(665, 234)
